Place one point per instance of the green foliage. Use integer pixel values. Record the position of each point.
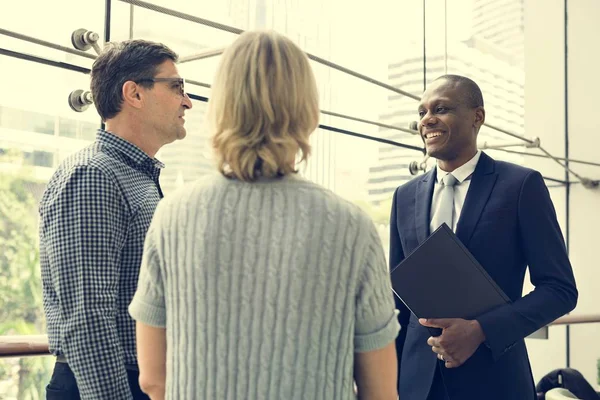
(21, 310)
(380, 213)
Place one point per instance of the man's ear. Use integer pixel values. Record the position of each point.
(132, 95)
(479, 117)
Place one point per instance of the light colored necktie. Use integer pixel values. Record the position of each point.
(445, 211)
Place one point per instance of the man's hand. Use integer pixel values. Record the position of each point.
(458, 341)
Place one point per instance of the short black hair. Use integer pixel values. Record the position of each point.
(472, 93)
(119, 62)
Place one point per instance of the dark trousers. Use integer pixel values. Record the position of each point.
(63, 386)
(438, 389)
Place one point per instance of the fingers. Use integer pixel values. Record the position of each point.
(434, 341)
(442, 355)
(436, 322)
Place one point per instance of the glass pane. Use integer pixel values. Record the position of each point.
(483, 40)
(34, 137)
(189, 159)
(25, 378)
(348, 166)
(66, 17)
(184, 37)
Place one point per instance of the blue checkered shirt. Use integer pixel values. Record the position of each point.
(94, 216)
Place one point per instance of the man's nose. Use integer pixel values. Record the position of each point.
(187, 102)
(428, 120)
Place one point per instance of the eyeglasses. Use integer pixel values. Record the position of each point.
(180, 83)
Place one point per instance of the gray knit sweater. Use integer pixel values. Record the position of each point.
(266, 290)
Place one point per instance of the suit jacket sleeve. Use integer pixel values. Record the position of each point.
(396, 256)
(555, 293)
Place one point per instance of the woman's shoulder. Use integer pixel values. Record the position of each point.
(332, 200)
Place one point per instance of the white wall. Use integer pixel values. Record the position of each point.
(584, 141)
(545, 117)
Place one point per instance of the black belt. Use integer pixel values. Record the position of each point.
(132, 367)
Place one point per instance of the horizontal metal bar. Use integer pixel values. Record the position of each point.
(376, 139)
(556, 180)
(45, 61)
(201, 56)
(571, 160)
(576, 319)
(508, 133)
(561, 164)
(334, 114)
(197, 97)
(338, 130)
(587, 183)
(193, 96)
(313, 57)
(46, 44)
(23, 345)
(361, 76)
(501, 146)
(197, 83)
(184, 16)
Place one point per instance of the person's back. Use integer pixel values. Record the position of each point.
(256, 283)
(261, 282)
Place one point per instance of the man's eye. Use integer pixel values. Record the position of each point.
(441, 109)
(421, 113)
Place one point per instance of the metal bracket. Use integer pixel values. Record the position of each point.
(80, 100)
(589, 183)
(82, 39)
(534, 144)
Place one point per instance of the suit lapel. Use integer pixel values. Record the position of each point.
(482, 182)
(423, 198)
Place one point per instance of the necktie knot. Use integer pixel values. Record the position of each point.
(449, 180)
(445, 207)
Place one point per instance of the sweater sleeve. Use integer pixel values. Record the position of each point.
(148, 304)
(376, 318)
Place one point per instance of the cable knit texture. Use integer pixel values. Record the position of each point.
(266, 290)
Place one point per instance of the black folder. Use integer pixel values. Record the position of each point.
(442, 279)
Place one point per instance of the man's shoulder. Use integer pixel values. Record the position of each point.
(410, 186)
(513, 171)
(84, 169)
(92, 160)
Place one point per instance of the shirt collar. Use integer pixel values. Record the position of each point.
(463, 172)
(128, 149)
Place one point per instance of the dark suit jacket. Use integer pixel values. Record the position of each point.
(508, 222)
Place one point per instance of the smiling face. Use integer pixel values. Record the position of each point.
(449, 123)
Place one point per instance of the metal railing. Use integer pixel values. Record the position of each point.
(37, 345)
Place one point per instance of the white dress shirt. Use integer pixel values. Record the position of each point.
(461, 188)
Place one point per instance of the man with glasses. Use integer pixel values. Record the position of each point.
(93, 220)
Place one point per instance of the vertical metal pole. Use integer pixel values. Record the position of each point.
(568, 184)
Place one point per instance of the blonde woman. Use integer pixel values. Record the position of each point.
(256, 283)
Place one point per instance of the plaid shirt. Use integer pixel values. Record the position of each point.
(94, 216)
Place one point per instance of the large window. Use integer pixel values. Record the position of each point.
(396, 43)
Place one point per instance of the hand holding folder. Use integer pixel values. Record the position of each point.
(442, 279)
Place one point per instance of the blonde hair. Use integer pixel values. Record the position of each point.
(263, 108)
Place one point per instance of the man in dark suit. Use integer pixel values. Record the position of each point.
(504, 215)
